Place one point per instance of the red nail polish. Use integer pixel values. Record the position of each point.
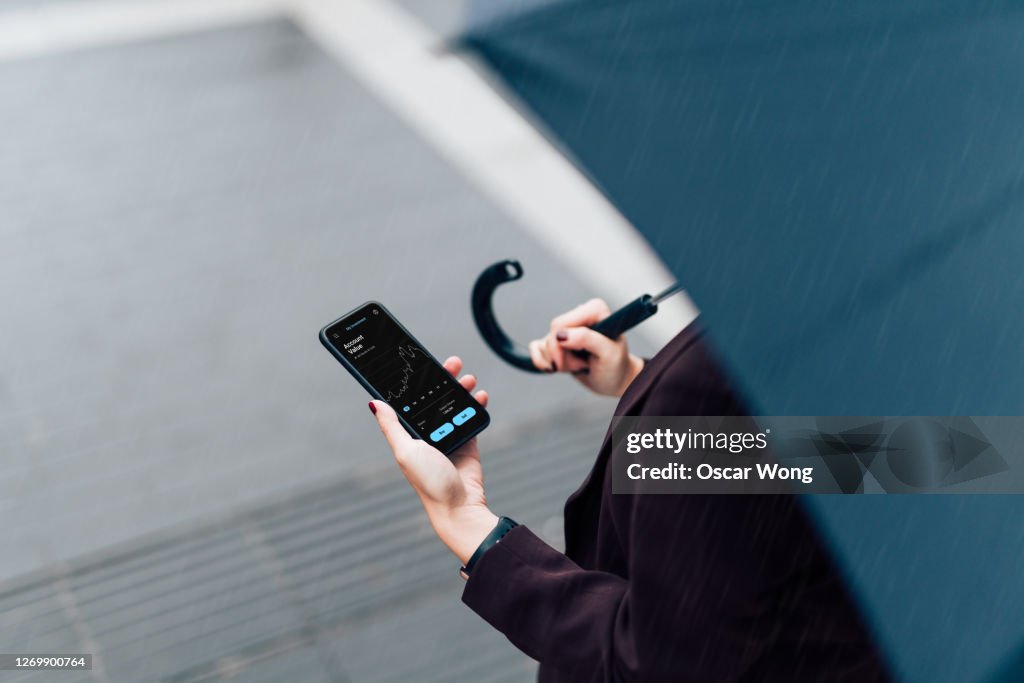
(373, 408)
(562, 335)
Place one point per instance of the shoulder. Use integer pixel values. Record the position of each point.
(690, 380)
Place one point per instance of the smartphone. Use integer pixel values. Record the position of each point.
(395, 368)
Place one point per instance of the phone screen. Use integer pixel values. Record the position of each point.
(402, 373)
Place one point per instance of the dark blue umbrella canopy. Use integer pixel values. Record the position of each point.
(840, 187)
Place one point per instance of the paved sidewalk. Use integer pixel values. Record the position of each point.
(180, 216)
(341, 582)
(192, 489)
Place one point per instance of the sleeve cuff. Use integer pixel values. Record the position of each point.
(494, 581)
(544, 602)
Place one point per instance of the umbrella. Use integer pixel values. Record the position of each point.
(840, 188)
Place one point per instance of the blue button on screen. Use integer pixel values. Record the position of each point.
(441, 432)
(464, 416)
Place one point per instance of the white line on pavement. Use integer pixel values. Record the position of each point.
(496, 148)
(439, 95)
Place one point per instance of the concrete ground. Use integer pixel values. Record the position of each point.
(183, 216)
(180, 215)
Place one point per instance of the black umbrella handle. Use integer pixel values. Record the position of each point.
(495, 275)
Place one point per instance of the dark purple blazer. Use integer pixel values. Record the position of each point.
(676, 588)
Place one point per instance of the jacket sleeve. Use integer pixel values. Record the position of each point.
(692, 599)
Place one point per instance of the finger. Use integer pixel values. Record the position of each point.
(453, 365)
(468, 382)
(574, 364)
(585, 339)
(583, 315)
(539, 355)
(482, 398)
(554, 352)
(398, 439)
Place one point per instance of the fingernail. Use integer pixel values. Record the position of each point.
(562, 335)
(554, 368)
(373, 408)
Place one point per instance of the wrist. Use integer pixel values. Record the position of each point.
(463, 528)
(635, 365)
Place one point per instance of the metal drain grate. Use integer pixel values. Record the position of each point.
(341, 583)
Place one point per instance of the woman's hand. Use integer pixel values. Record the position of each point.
(610, 367)
(451, 489)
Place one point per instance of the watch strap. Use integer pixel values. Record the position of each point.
(502, 528)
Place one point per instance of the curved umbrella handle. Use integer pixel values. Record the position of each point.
(497, 274)
(493, 277)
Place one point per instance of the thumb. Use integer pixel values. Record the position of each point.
(585, 339)
(389, 425)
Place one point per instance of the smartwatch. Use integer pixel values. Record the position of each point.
(502, 528)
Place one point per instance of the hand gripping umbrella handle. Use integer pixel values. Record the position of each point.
(497, 274)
